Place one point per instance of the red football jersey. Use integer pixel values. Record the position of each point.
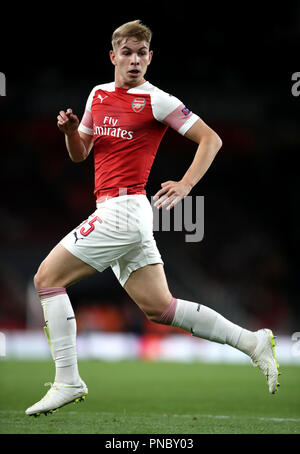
(127, 128)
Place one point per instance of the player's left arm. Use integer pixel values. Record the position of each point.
(209, 144)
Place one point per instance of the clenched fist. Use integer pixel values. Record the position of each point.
(67, 122)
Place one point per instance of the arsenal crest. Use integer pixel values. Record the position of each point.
(138, 104)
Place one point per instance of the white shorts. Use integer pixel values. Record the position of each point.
(118, 234)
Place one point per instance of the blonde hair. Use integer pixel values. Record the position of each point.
(131, 29)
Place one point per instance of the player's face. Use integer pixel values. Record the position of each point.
(131, 60)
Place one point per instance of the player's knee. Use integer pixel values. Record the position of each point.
(37, 280)
(155, 314)
(41, 279)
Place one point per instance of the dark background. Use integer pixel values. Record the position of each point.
(232, 65)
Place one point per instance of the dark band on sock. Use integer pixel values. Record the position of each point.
(51, 291)
(167, 317)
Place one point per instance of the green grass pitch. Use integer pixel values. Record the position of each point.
(138, 397)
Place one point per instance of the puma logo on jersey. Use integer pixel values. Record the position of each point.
(76, 237)
(102, 99)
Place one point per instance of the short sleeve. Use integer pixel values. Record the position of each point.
(86, 124)
(171, 111)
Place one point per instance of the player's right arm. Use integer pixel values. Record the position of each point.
(78, 143)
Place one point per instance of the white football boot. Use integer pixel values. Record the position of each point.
(58, 395)
(264, 358)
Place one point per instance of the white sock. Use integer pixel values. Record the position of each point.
(208, 324)
(61, 332)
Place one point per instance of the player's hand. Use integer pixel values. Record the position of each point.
(67, 122)
(171, 193)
